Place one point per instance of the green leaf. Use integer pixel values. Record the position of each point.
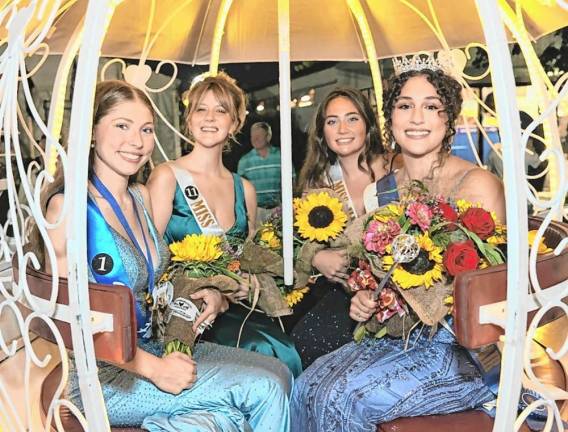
(381, 333)
(359, 333)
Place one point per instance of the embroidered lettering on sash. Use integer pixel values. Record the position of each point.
(196, 203)
(338, 185)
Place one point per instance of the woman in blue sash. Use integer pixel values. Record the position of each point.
(344, 153)
(197, 194)
(360, 385)
(220, 388)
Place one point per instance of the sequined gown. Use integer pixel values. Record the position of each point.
(361, 385)
(236, 390)
(260, 334)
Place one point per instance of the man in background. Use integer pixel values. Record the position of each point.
(262, 167)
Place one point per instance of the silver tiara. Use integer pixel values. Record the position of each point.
(424, 60)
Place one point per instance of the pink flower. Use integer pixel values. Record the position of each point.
(362, 278)
(420, 214)
(379, 235)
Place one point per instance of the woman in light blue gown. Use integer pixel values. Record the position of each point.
(361, 385)
(220, 388)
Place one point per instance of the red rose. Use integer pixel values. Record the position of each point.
(460, 257)
(449, 214)
(479, 221)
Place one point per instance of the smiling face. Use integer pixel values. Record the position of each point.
(210, 123)
(419, 122)
(124, 138)
(344, 127)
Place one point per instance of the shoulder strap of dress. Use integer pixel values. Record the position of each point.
(459, 183)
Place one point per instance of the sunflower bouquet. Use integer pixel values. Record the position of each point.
(320, 222)
(262, 256)
(198, 261)
(449, 238)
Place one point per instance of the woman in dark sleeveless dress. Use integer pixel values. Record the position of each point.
(216, 112)
(359, 385)
(344, 153)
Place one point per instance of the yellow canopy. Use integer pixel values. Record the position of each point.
(320, 30)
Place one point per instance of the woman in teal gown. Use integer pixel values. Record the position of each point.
(220, 388)
(197, 194)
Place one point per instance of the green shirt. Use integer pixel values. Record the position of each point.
(264, 174)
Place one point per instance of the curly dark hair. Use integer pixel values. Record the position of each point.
(449, 91)
(320, 157)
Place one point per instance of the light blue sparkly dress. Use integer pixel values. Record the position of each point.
(235, 391)
(361, 385)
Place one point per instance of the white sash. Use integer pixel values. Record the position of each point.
(339, 186)
(196, 203)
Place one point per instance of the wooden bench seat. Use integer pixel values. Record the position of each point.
(117, 345)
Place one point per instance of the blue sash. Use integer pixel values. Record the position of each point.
(387, 191)
(105, 261)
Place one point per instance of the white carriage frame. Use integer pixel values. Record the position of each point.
(493, 16)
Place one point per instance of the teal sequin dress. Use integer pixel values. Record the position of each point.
(260, 334)
(235, 390)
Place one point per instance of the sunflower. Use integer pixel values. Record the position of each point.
(295, 296)
(319, 217)
(197, 247)
(389, 212)
(542, 247)
(269, 237)
(425, 269)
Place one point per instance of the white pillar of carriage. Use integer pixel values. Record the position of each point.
(88, 39)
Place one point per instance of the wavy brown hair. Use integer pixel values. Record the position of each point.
(320, 157)
(228, 93)
(449, 91)
(108, 94)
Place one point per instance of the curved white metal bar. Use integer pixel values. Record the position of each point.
(358, 12)
(218, 36)
(517, 281)
(97, 19)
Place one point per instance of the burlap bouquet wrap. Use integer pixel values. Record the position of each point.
(265, 264)
(179, 315)
(426, 304)
(348, 239)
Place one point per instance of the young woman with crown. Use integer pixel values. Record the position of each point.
(360, 385)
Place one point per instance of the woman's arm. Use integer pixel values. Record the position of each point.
(161, 187)
(250, 200)
(57, 235)
(172, 373)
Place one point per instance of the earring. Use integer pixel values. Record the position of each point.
(93, 144)
(393, 144)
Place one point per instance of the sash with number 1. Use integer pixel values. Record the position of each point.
(196, 203)
(104, 258)
(339, 186)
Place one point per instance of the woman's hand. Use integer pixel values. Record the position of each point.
(216, 303)
(174, 373)
(332, 263)
(243, 292)
(362, 306)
